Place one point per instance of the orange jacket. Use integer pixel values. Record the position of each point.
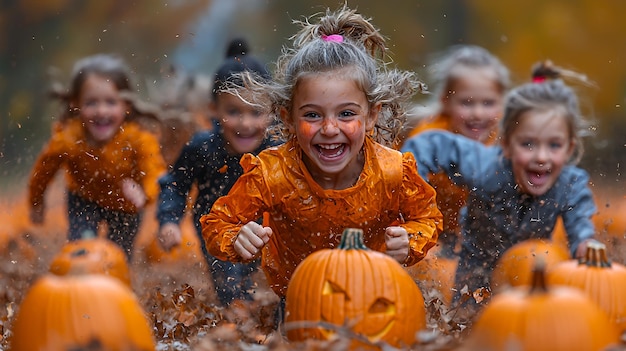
(306, 218)
(443, 122)
(96, 174)
(450, 197)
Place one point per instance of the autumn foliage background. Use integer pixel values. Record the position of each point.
(40, 41)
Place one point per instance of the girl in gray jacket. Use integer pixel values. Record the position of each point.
(517, 189)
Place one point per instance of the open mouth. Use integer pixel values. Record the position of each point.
(538, 178)
(246, 142)
(101, 122)
(476, 127)
(101, 125)
(330, 151)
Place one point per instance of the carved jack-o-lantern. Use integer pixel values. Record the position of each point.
(91, 255)
(352, 286)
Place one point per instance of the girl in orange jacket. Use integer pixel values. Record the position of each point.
(112, 164)
(337, 105)
(470, 83)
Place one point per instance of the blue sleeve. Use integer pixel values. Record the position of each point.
(458, 157)
(176, 184)
(579, 209)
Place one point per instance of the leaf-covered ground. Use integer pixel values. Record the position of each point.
(177, 294)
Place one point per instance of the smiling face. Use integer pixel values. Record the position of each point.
(243, 125)
(331, 118)
(538, 148)
(102, 110)
(474, 102)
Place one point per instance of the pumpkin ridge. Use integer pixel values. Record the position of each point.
(602, 282)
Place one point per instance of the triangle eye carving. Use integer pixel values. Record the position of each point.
(382, 305)
(332, 288)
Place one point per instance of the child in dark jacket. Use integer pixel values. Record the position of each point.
(211, 162)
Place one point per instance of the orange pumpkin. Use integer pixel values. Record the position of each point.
(61, 313)
(435, 277)
(559, 235)
(609, 220)
(189, 248)
(354, 287)
(542, 318)
(514, 267)
(603, 281)
(188, 251)
(91, 255)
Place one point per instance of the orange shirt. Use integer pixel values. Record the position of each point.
(450, 197)
(305, 217)
(96, 173)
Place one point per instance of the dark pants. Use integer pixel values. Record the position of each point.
(233, 281)
(279, 313)
(86, 216)
(447, 243)
(473, 272)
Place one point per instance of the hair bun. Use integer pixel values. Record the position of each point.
(545, 70)
(237, 47)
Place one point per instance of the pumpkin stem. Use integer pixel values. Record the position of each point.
(352, 238)
(595, 255)
(538, 279)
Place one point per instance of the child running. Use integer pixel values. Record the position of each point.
(211, 162)
(337, 103)
(470, 84)
(520, 187)
(112, 164)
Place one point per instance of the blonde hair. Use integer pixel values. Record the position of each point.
(548, 91)
(442, 72)
(360, 54)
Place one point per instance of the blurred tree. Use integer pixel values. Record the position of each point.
(584, 35)
(36, 35)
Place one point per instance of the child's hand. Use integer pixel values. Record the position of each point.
(251, 239)
(397, 240)
(134, 193)
(37, 214)
(581, 250)
(170, 236)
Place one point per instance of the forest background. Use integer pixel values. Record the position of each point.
(41, 39)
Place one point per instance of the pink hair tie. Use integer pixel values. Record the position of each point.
(337, 38)
(539, 79)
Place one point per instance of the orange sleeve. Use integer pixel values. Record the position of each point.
(423, 220)
(46, 166)
(436, 122)
(229, 213)
(150, 164)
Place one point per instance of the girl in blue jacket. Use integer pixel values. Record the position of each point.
(517, 189)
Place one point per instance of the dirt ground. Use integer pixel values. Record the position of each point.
(176, 292)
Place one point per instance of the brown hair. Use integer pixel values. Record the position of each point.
(548, 91)
(360, 54)
(113, 68)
